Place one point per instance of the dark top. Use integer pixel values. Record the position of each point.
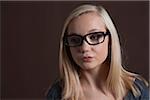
(55, 91)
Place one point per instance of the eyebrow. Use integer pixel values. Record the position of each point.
(92, 30)
(72, 33)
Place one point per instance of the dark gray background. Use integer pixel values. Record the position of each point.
(30, 42)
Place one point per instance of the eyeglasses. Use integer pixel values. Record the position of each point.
(94, 38)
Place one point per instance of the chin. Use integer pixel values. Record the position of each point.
(88, 66)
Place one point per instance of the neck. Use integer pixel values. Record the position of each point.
(95, 78)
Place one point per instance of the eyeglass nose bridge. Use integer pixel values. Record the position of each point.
(84, 39)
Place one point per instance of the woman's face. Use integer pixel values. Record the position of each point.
(88, 56)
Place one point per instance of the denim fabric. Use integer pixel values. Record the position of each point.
(56, 89)
(143, 89)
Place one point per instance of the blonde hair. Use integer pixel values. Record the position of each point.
(118, 80)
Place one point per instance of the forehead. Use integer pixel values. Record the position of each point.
(86, 23)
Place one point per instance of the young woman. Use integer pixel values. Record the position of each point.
(90, 61)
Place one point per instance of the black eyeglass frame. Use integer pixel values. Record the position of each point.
(65, 40)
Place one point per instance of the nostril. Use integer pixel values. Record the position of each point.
(83, 52)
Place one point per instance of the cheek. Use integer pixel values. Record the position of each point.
(102, 51)
(74, 53)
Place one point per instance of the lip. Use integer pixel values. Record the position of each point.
(87, 59)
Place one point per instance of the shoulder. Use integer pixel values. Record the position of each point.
(142, 88)
(55, 90)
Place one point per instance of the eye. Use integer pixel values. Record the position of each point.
(74, 39)
(95, 36)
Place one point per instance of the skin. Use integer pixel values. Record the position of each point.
(95, 70)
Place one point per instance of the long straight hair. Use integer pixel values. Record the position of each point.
(118, 79)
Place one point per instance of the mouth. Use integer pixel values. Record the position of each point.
(87, 59)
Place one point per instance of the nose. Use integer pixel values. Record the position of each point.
(85, 47)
